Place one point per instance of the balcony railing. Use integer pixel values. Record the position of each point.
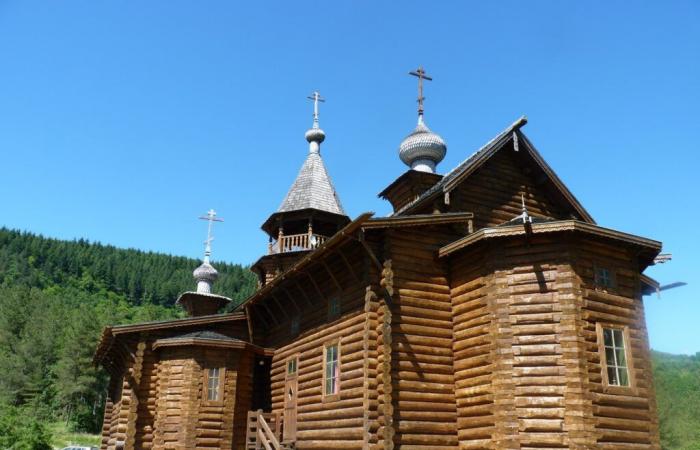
(296, 242)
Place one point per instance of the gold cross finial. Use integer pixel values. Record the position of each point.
(420, 73)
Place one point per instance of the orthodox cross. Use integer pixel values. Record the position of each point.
(316, 97)
(420, 73)
(211, 218)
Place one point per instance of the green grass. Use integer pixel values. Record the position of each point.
(63, 437)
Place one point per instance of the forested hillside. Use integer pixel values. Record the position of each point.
(142, 277)
(55, 298)
(677, 383)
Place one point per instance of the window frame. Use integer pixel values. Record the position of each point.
(220, 386)
(326, 397)
(632, 382)
(295, 358)
(612, 277)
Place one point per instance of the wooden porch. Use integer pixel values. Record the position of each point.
(264, 431)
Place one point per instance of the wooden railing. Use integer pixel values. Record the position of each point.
(296, 242)
(264, 431)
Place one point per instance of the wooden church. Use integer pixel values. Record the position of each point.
(488, 311)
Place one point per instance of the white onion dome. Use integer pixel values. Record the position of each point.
(422, 149)
(315, 134)
(205, 272)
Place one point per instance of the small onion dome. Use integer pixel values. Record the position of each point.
(422, 149)
(315, 134)
(205, 272)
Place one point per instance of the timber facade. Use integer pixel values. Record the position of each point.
(489, 311)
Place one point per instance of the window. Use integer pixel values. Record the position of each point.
(292, 367)
(214, 380)
(331, 373)
(294, 326)
(333, 307)
(603, 277)
(615, 357)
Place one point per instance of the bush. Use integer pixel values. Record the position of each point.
(20, 430)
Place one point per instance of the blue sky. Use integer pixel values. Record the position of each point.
(122, 121)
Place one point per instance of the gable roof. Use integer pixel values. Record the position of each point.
(457, 175)
(312, 189)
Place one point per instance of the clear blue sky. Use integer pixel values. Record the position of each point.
(121, 121)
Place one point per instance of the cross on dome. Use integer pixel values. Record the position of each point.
(316, 97)
(211, 218)
(421, 75)
(422, 150)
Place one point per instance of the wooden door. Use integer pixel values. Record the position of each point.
(289, 431)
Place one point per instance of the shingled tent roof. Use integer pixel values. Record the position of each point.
(478, 158)
(312, 189)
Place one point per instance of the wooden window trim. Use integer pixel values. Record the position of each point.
(205, 390)
(286, 367)
(611, 388)
(288, 376)
(325, 398)
(613, 278)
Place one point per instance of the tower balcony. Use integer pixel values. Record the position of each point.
(296, 243)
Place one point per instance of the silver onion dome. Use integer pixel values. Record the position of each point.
(315, 134)
(422, 149)
(205, 272)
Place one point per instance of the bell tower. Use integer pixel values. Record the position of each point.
(309, 214)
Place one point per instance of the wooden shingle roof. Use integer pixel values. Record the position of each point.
(312, 188)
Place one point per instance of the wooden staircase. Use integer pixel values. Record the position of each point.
(264, 431)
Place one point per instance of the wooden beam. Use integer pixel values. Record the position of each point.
(279, 305)
(262, 317)
(274, 319)
(304, 294)
(249, 319)
(347, 263)
(330, 272)
(318, 289)
(372, 256)
(291, 299)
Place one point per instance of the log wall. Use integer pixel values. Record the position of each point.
(421, 339)
(335, 424)
(527, 358)
(324, 423)
(474, 349)
(622, 417)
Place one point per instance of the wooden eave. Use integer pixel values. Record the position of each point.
(278, 256)
(269, 225)
(649, 285)
(654, 247)
(221, 298)
(339, 238)
(451, 180)
(418, 220)
(109, 334)
(201, 342)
